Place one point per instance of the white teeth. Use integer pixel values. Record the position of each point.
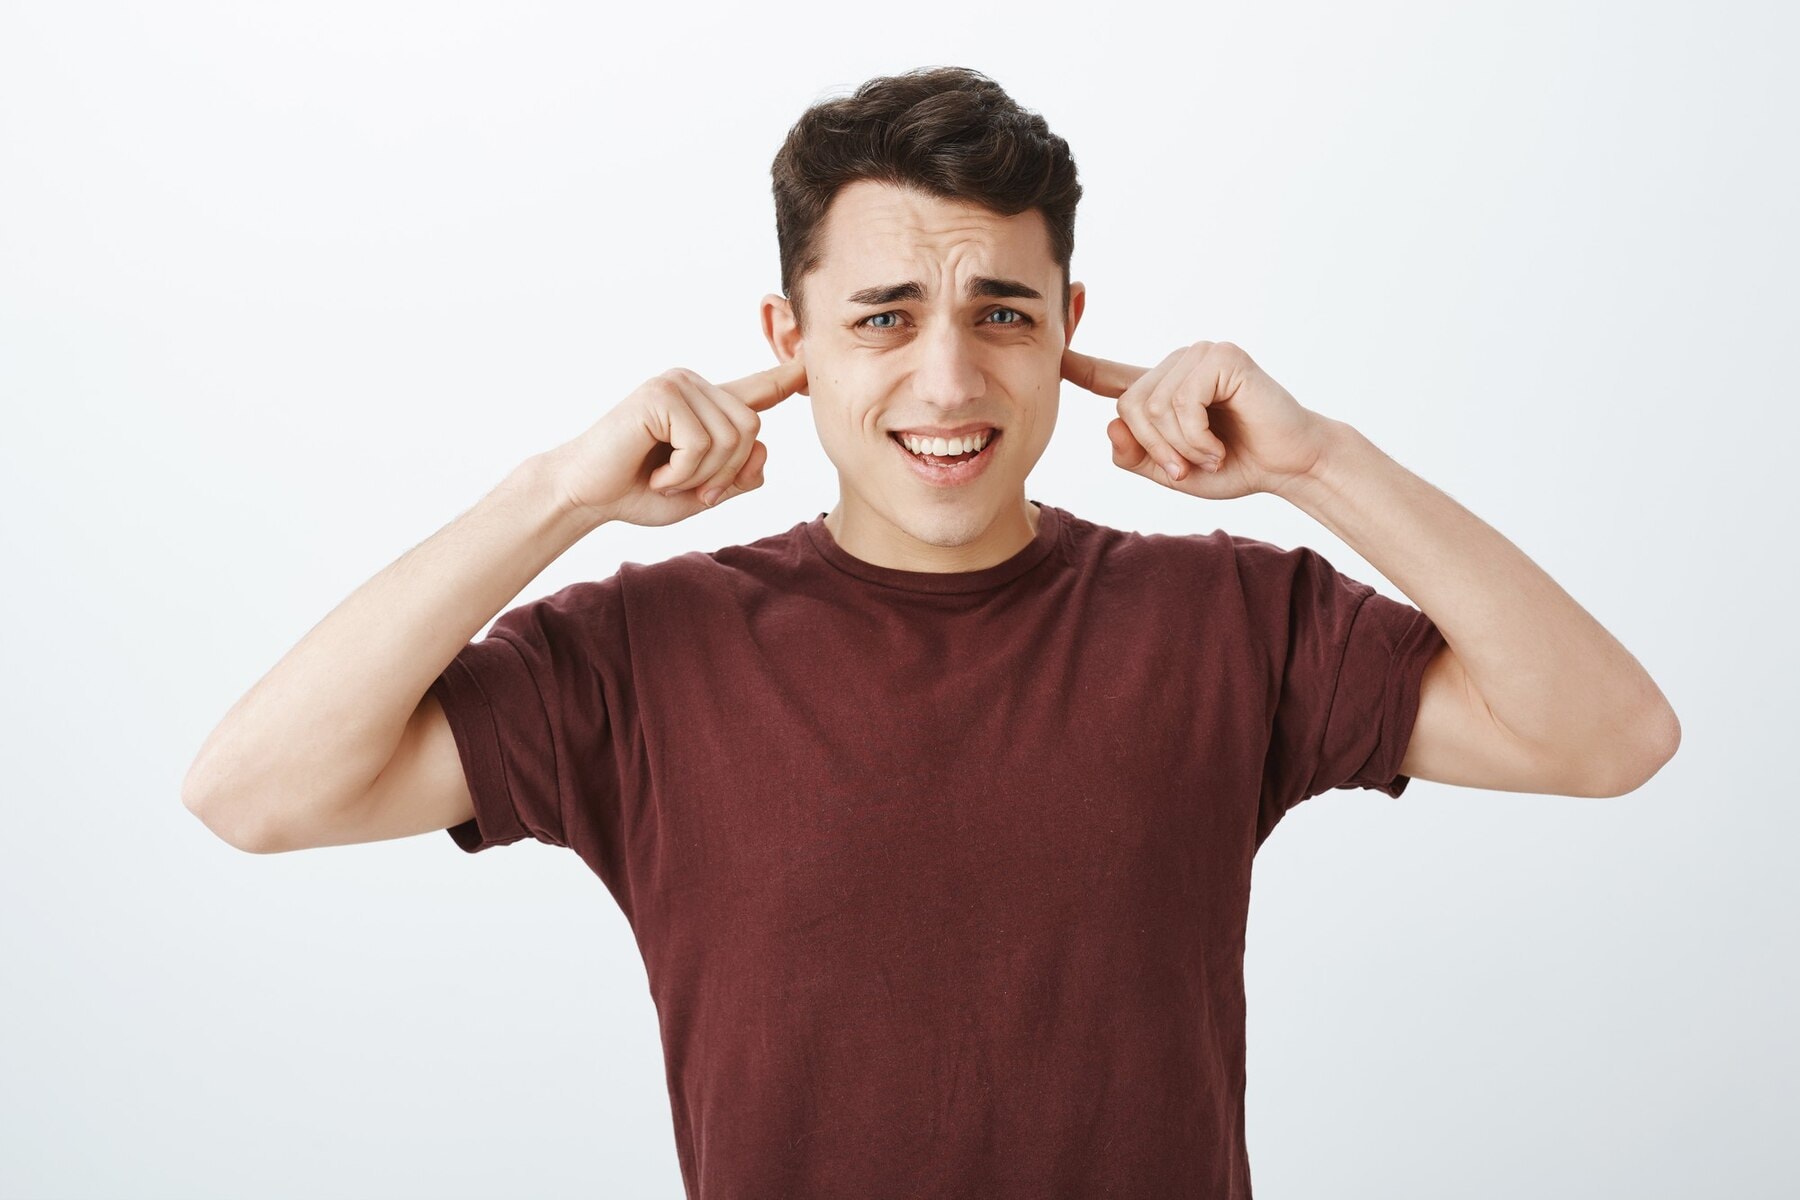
(944, 446)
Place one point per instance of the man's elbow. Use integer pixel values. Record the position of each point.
(234, 830)
(1663, 739)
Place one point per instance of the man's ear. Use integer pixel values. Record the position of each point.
(1077, 302)
(781, 330)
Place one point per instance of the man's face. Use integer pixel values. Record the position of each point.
(881, 361)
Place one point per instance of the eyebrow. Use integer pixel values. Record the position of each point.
(980, 285)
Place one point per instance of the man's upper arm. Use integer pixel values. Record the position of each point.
(1345, 664)
(421, 789)
(544, 719)
(521, 736)
(1456, 739)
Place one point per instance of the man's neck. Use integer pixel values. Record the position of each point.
(865, 533)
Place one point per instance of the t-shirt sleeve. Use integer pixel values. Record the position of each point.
(1349, 665)
(542, 716)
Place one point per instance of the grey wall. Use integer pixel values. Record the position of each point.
(285, 289)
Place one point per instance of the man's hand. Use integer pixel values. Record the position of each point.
(675, 446)
(1207, 402)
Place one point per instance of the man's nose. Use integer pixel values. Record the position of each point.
(948, 372)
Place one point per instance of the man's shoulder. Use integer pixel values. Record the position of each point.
(732, 565)
(1093, 545)
(781, 558)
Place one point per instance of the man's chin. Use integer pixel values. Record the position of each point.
(944, 521)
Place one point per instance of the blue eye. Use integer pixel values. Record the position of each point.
(1023, 319)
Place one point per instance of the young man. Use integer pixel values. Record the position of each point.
(934, 816)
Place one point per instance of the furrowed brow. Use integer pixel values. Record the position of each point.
(890, 293)
(979, 286)
(1005, 289)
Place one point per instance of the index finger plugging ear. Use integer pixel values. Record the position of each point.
(1101, 376)
(1130, 385)
(766, 389)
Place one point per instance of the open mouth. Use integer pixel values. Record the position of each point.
(946, 462)
(948, 470)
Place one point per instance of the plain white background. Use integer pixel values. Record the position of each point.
(284, 289)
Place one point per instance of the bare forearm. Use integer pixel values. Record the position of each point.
(1550, 673)
(320, 726)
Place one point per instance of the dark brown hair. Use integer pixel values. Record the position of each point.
(950, 132)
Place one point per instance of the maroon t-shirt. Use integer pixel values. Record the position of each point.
(940, 880)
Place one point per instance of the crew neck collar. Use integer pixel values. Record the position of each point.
(1049, 529)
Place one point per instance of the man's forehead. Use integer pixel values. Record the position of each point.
(881, 235)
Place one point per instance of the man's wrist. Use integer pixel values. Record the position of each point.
(540, 481)
(1337, 442)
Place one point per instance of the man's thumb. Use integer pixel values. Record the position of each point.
(1128, 452)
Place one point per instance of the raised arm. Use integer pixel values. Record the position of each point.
(340, 741)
